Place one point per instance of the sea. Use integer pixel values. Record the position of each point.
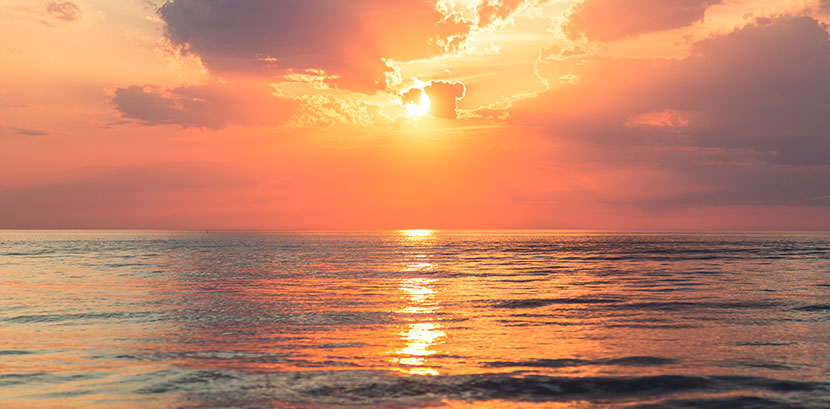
(414, 318)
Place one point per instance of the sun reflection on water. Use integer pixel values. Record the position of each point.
(420, 337)
(417, 233)
(424, 332)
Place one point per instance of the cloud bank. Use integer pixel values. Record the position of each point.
(745, 119)
(609, 20)
(349, 39)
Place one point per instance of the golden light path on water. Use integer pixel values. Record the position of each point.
(424, 332)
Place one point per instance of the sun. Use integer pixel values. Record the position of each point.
(417, 106)
(417, 232)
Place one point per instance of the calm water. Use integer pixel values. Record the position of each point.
(501, 320)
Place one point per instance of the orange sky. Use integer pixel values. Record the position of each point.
(471, 114)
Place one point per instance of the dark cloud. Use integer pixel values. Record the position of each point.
(345, 38)
(763, 87)
(412, 96)
(213, 106)
(443, 97)
(30, 132)
(608, 20)
(61, 11)
(746, 117)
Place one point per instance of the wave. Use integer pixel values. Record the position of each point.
(376, 388)
(814, 308)
(542, 302)
(732, 402)
(564, 363)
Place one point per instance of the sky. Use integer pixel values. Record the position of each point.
(447, 114)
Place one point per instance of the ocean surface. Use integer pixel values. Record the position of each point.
(100, 319)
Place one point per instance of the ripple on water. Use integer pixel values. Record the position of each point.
(127, 320)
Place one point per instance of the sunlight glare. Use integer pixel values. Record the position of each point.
(420, 108)
(417, 232)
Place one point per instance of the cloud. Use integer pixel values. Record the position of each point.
(61, 11)
(443, 97)
(323, 110)
(744, 119)
(412, 96)
(668, 119)
(609, 20)
(212, 106)
(30, 132)
(22, 131)
(489, 12)
(348, 39)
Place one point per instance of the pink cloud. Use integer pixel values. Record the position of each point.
(669, 119)
(212, 106)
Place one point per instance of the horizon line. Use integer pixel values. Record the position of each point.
(565, 230)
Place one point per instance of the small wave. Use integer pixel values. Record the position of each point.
(815, 307)
(734, 402)
(762, 364)
(33, 253)
(542, 302)
(564, 363)
(188, 382)
(341, 345)
(686, 305)
(373, 388)
(15, 352)
(35, 318)
(546, 388)
(763, 344)
(11, 379)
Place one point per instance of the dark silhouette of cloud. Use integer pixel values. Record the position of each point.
(443, 97)
(412, 96)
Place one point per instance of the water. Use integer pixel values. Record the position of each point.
(414, 319)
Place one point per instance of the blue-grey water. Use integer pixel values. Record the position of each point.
(94, 319)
